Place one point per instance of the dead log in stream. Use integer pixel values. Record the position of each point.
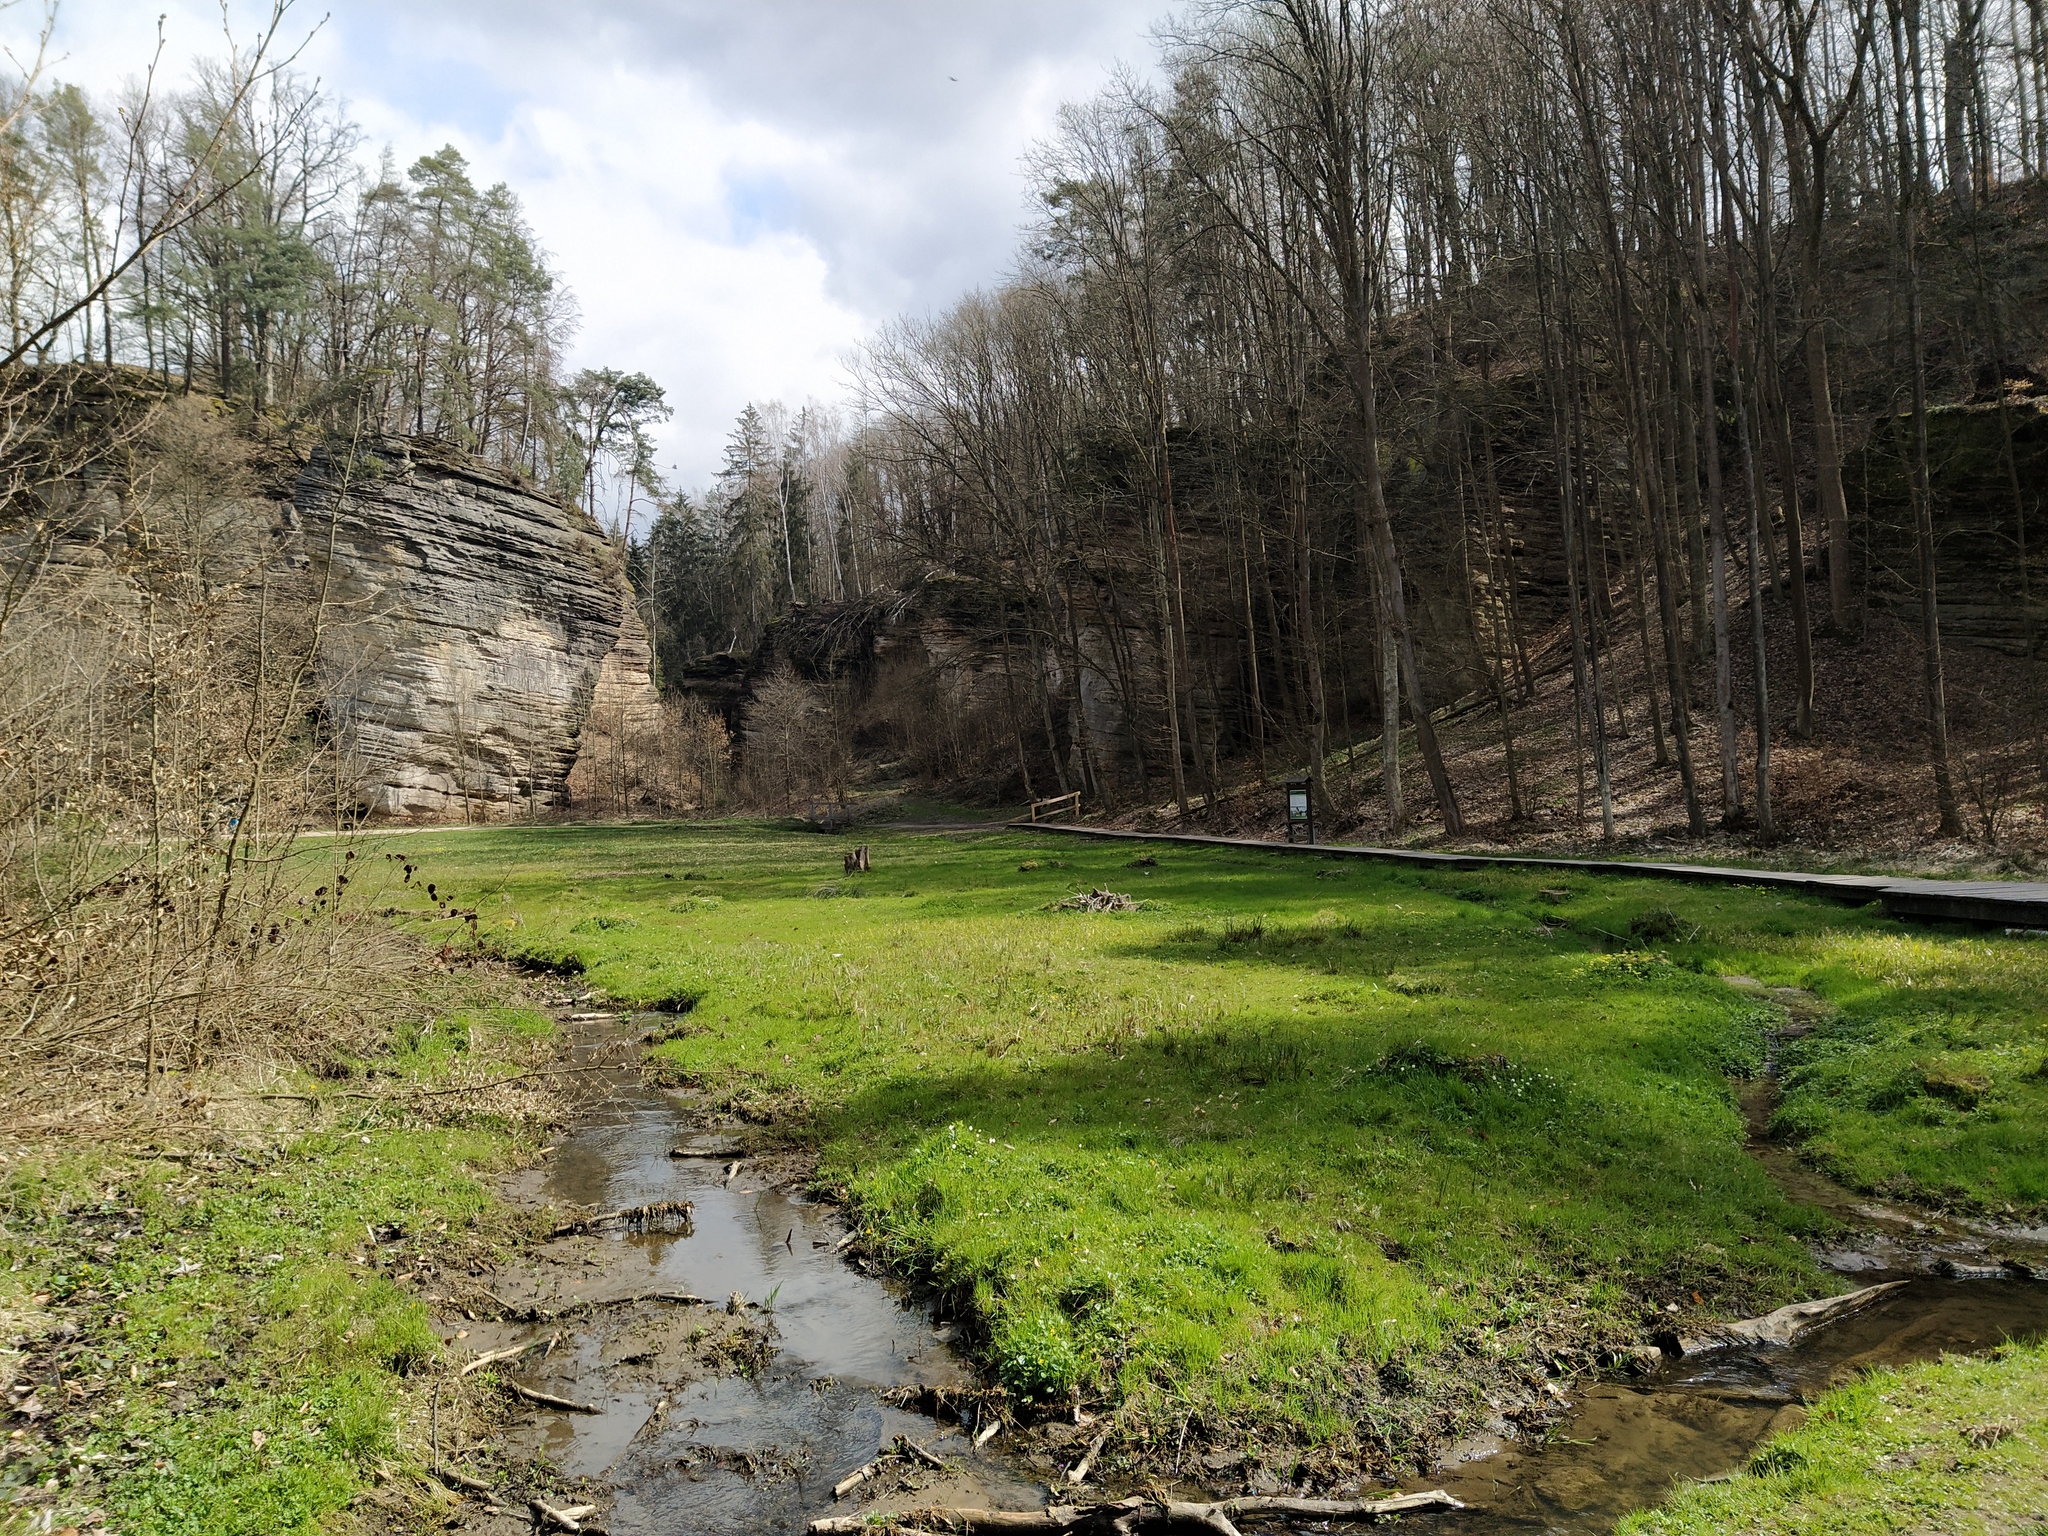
(661, 1212)
(539, 1314)
(1787, 1324)
(1128, 1515)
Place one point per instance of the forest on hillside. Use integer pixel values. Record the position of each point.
(1646, 392)
(226, 234)
(1383, 357)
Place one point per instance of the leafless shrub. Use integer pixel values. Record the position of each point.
(2004, 761)
(796, 741)
(158, 908)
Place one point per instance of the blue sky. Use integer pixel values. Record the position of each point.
(738, 191)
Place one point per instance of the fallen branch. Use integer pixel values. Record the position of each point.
(652, 1419)
(463, 1479)
(1079, 1474)
(570, 1519)
(854, 1479)
(547, 1400)
(540, 1314)
(1130, 1514)
(661, 1210)
(493, 1358)
(910, 1447)
(1787, 1323)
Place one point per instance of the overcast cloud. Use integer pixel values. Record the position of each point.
(737, 190)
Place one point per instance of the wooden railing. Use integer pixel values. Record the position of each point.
(1046, 810)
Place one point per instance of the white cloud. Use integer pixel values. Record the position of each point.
(736, 190)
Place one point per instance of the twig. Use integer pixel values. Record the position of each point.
(906, 1444)
(1079, 1475)
(546, 1400)
(855, 1478)
(1129, 1514)
(463, 1479)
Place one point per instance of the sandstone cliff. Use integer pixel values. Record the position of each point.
(470, 623)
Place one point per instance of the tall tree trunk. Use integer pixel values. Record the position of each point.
(1932, 681)
(1717, 523)
(1390, 714)
(1778, 420)
(1387, 562)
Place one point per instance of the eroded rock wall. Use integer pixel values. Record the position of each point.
(469, 622)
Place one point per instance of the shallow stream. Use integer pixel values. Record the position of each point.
(753, 1452)
(761, 1452)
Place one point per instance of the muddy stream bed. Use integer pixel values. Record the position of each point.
(740, 1412)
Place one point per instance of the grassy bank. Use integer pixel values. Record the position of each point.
(1302, 1150)
(226, 1331)
(1959, 1445)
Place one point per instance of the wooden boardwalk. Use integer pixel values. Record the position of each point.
(1994, 903)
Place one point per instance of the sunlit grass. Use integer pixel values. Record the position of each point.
(1291, 1121)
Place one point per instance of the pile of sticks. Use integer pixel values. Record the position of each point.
(1100, 901)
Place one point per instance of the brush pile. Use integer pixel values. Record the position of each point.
(1100, 901)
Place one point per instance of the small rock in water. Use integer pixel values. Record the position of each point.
(1957, 1271)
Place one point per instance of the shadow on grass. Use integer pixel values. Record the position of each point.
(1279, 1192)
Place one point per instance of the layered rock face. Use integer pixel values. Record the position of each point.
(1987, 467)
(468, 624)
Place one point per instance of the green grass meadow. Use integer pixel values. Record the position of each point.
(1282, 1148)
(239, 1359)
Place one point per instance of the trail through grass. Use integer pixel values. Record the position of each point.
(1304, 1149)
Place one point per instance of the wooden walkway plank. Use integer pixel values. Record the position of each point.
(1996, 903)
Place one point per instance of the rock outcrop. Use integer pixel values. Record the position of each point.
(469, 622)
(1987, 461)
